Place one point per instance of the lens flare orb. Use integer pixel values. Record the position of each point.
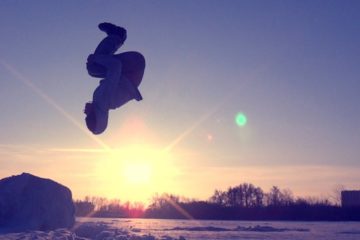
(240, 119)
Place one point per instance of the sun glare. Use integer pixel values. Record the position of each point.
(135, 173)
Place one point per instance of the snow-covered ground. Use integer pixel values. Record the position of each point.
(86, 230)
(152, 229)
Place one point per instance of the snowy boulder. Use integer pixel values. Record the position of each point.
(28, 202)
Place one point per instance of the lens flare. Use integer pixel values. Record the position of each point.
(240, 119)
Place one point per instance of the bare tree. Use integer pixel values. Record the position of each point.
(287, 197)
(335, 196)
(273, 197)
(243, 195)
(219, 197)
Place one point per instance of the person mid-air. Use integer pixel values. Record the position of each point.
(122, 74)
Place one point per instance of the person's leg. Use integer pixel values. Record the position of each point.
(112, 65)
(107, 47)
(114, 75)
(133, 66)
(116, 37)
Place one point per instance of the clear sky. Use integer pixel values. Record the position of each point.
(292, 67)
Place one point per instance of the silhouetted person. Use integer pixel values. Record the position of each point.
(122, 75)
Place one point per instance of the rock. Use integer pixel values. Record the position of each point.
(28, 202)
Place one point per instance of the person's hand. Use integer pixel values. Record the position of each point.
(88, 108)
(91, 58)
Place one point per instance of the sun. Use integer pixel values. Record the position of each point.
(135, 173)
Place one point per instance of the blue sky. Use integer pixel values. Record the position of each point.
(290, 66)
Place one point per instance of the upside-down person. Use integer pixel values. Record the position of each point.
(122, 74)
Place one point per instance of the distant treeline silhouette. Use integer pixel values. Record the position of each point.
(242, 202)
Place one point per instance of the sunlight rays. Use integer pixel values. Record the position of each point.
(178, 208)
(51, 102)
(199, 121)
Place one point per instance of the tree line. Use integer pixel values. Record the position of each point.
(242, 202)
(103, 207)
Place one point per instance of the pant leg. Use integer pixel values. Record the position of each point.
(108, 46)
(133, 66)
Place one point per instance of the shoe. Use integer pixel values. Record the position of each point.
(111, 29)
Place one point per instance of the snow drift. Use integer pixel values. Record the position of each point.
(28, 202)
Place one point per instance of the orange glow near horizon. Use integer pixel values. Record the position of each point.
(135, 173)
